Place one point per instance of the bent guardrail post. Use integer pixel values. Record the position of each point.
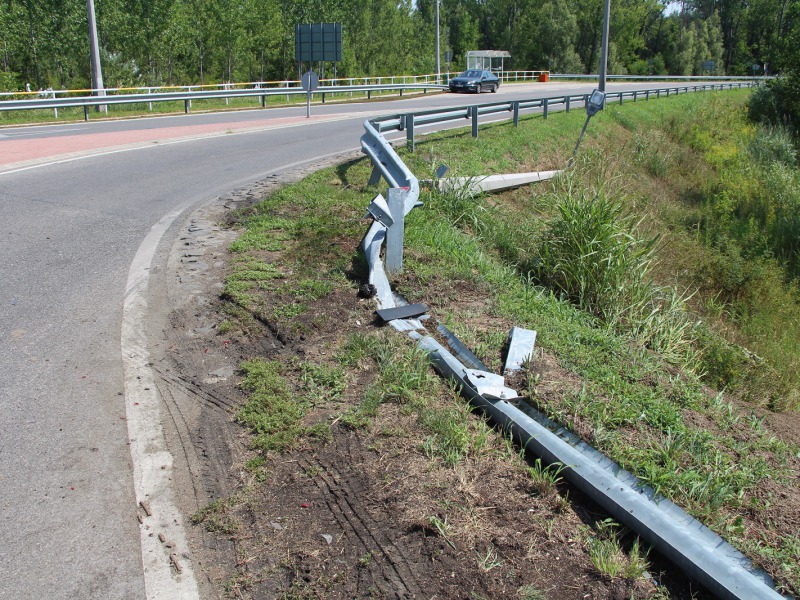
(390, 213)
(394, 232)
(375, 177)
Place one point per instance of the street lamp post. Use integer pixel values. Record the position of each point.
(97, 73)
(597, 101)
(438, 61)
(604, 46)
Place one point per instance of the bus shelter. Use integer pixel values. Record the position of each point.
(488, 60)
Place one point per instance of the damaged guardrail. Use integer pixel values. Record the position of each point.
(699, 552)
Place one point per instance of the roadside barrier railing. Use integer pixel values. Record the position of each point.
(89, 102)
(246, 85)
(409, 122)
(699, 552)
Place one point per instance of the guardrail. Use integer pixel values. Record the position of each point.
(663, 77)
(56, 99)
(408, 122)
(428, 79)
(88, 102)
(250, 85)
(700, 552)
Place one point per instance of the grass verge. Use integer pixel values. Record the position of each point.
(629, 353)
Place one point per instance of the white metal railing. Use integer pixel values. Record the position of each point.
(51, 101)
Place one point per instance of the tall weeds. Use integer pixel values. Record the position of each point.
(592, 253)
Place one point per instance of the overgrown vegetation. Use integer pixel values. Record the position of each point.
(641, 272)
(201, 41)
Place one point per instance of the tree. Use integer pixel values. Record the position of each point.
(553, 30)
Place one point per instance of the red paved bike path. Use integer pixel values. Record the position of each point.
(20, 153)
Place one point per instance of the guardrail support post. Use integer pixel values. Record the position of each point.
(515, 108)
(263, 101)
(375, 177)
(186, 107)
(647, 95)
(395, 198)
(620, 98)
(545, 105)
(635, 94)
(86, 113)
(410, 132)
(369, 94)
(566, 102)
(475, 121)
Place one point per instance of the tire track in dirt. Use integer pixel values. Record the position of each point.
(194, 368)
(343, 493)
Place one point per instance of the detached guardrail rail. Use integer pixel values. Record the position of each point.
(699, 552)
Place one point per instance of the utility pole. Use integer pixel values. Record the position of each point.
(438, 61)
(604, 49)
(97, 73)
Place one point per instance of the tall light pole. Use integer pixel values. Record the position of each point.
(97, 73)
(597, 101)
(604, 44)
(438, 61)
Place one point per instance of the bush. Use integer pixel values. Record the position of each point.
(590, 254)
(773, 145)
(777, 103)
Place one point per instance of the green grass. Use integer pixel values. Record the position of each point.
(608, 556)
(271, 411)
(611, 330)
(218, 517)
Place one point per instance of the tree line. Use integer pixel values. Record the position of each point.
(44, 43)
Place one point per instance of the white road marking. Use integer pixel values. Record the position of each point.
(152, 461)
(13, 134)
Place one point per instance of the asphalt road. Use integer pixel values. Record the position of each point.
(72, 226)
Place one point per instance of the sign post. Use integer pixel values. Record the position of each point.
(310, 82)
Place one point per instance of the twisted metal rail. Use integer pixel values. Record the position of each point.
(699, 552)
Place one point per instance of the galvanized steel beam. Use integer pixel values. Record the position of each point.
(698, 551)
